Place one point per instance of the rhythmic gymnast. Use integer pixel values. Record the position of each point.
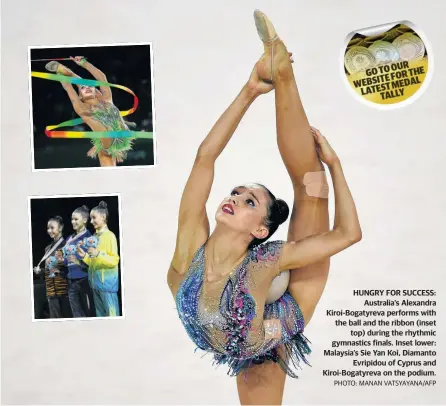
(79, 290)
(220, 281)
(97, 110)
(103, 273)
(56, 285)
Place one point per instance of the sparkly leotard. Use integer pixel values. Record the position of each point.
(108, 115)
(229, 318)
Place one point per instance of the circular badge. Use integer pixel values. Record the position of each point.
(387, 66)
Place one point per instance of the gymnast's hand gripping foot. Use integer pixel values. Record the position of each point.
(221, 279)
(97, 110)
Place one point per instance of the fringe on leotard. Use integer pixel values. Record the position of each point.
(118, 149)
(292, 354)
(289, 352)
(235, 347)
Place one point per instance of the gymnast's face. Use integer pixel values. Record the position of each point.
(87, 92)
(245, 209)
(97, 219)
(77, 221)
(53, 229)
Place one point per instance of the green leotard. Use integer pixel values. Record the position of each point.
(108, 115)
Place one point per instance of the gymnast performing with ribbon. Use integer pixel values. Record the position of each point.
(110, 134)
(224, 281)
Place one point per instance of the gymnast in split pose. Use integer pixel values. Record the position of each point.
(97, 110)
(221, 280)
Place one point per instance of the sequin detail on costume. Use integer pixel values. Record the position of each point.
(109, 116)
(240, 313)
(265, 252)
(227, 319)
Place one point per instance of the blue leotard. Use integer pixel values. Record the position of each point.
(230, 319)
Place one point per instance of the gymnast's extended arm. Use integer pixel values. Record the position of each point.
(193, 223)
(97, 74)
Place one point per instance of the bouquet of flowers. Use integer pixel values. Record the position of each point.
(89, 242)
(51, 265)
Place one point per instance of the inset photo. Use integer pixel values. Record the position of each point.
(92, 106)
(75, 257)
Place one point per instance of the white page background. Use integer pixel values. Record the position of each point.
(203, 53)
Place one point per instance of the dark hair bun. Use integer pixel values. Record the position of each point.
(58, 220)
(102, 205)
(282, 211)
(85, 208)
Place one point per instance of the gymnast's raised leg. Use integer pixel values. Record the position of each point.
(264, 384)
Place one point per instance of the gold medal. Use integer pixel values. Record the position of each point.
(358, 59)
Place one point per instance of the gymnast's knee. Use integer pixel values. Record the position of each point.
(314, 184)
(259, 377)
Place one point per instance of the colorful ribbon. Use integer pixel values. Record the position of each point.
(90, 134)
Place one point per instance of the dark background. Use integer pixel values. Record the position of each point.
(126, 65)
(43, 209)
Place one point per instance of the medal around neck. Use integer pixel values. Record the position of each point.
(387, 66)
